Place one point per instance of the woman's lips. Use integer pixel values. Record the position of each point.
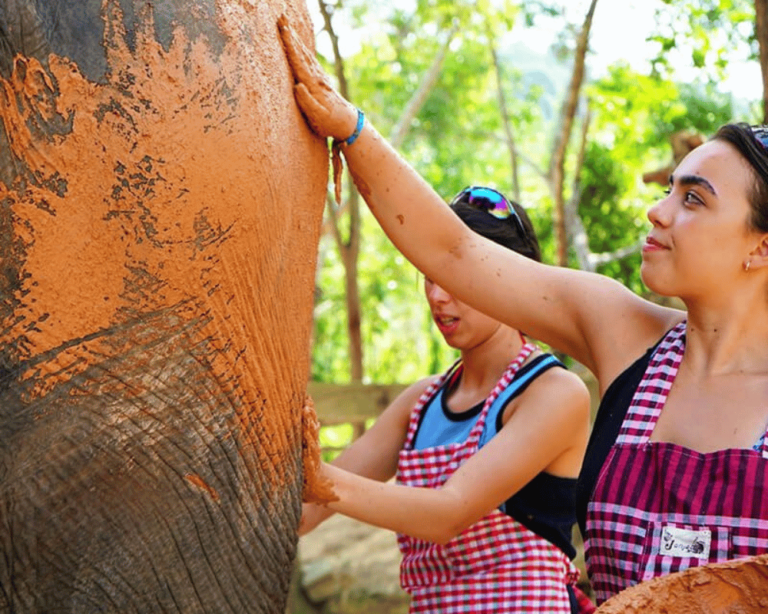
(652, 245)
(446, 324)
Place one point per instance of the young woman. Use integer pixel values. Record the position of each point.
(486, 457)
(676, 472)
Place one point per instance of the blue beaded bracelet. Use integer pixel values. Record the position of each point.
(358, 128)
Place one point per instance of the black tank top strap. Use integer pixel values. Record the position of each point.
(610, 416)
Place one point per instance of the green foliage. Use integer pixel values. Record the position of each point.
(610, 218)
(634, 117)
(709, 32)
(457, 138)
(706, 109)
(636, 114)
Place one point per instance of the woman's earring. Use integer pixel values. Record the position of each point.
(746, 265)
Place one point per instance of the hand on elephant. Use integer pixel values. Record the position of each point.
(326, 111)
(312, 514)
(317, 488)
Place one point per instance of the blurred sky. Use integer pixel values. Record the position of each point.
(620, 29)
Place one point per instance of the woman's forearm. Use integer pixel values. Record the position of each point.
(411, 213)
(495, 280)
(435, 515)
(488, 277)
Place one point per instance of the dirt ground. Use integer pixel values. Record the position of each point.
(347, 567)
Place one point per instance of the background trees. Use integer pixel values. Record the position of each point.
(465, 103)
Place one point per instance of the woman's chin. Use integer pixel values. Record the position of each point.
(654, 283)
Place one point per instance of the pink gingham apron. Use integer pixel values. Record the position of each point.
(658, 507)
(496, 565)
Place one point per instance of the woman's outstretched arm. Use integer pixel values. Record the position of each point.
(546, 431)
(374, 455)
(590, 317)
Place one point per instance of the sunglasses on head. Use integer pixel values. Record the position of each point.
(491, 201)
(761, 134)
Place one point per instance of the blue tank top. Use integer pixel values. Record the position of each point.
(546, 504)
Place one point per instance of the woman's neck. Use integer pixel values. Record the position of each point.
(727, 340)
(486, 363)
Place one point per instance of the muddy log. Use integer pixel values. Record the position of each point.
(733, 587)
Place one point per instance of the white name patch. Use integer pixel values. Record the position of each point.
(686, 542)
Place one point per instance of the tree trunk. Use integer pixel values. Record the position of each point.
(349, 247)
(761, 33)
(509, 135)
(556, 172)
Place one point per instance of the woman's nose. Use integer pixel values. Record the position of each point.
(436, 294)
(660, 213)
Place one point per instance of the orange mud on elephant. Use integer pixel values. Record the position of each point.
(160, 208)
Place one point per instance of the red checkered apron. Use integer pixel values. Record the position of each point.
(496, 565)
(658, 507)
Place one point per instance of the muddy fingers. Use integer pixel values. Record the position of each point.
(301, 60)
(327, 112)
(316, 488)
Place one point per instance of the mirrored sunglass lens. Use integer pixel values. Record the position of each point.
(761, 134)
(491, 201)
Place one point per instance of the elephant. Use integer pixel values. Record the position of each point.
(161, 201)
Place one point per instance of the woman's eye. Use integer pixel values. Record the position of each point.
(692, 197)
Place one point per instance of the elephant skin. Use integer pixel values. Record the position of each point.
(160, 208)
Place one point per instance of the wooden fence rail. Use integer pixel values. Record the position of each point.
(343, 403)
(355, 404)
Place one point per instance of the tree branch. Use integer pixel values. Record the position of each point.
(556, 171)
(350, 249)
(575, 231)
(326, 9)
(428, 80)
(504, 110)
(606, 257)
(761, 34)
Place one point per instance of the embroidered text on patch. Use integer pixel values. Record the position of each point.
(686, 542)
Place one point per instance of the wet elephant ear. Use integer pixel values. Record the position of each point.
(161, 199)
(721, 588)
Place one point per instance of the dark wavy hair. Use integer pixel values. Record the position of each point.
(752, 143)
(504, 232)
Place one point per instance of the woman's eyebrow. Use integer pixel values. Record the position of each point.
(694, 180)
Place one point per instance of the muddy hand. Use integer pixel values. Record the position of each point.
(327, 112)
(317, 487)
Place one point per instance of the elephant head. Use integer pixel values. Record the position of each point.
(160, 208)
